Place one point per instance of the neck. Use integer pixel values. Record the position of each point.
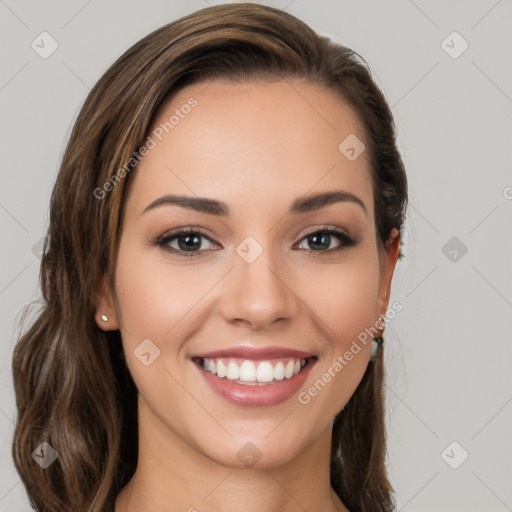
(172, 476)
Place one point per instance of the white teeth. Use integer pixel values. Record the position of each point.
(221, 368)
(288, 371)
(247, 371)
(279, 371)
(265, 372)
(254, 372)
(233, 371)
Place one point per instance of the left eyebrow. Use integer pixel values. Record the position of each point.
(317, 201)
(214, 207)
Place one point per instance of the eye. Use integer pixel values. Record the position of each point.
(320, 239)
(188, 240)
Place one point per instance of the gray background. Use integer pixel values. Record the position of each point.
(449, 351)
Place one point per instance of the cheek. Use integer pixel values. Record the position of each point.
(155, 297)
(163, 302)
(357, 298)
(345, 297)
(345, 301)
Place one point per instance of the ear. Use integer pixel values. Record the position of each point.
(388, 261)
(105, 306)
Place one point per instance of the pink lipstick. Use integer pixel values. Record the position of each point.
(252, 377)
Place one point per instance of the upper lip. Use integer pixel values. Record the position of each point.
(247, 352)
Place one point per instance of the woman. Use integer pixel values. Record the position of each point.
(216, 276)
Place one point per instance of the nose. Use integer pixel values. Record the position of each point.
(259, 294)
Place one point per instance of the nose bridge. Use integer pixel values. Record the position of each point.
(258, 291)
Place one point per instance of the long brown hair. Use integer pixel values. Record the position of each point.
(73, 388)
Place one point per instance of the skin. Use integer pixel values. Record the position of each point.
(257, 146)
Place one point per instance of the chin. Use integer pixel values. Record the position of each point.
(256, 452)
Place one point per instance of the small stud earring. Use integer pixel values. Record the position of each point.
(104, 318)
(381, 326)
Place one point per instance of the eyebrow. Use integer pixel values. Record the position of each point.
(214, 207)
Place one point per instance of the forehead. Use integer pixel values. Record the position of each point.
(256, 141)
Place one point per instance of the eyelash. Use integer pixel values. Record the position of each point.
(164, 240)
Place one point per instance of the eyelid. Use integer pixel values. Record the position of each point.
(189, 227)
(325, 227)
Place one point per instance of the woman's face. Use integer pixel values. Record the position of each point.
(252, 293)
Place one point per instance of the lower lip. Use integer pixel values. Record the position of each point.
(256, 396)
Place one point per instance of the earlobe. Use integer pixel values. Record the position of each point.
(105, 314)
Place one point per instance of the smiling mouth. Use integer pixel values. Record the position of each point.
(254, 373)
